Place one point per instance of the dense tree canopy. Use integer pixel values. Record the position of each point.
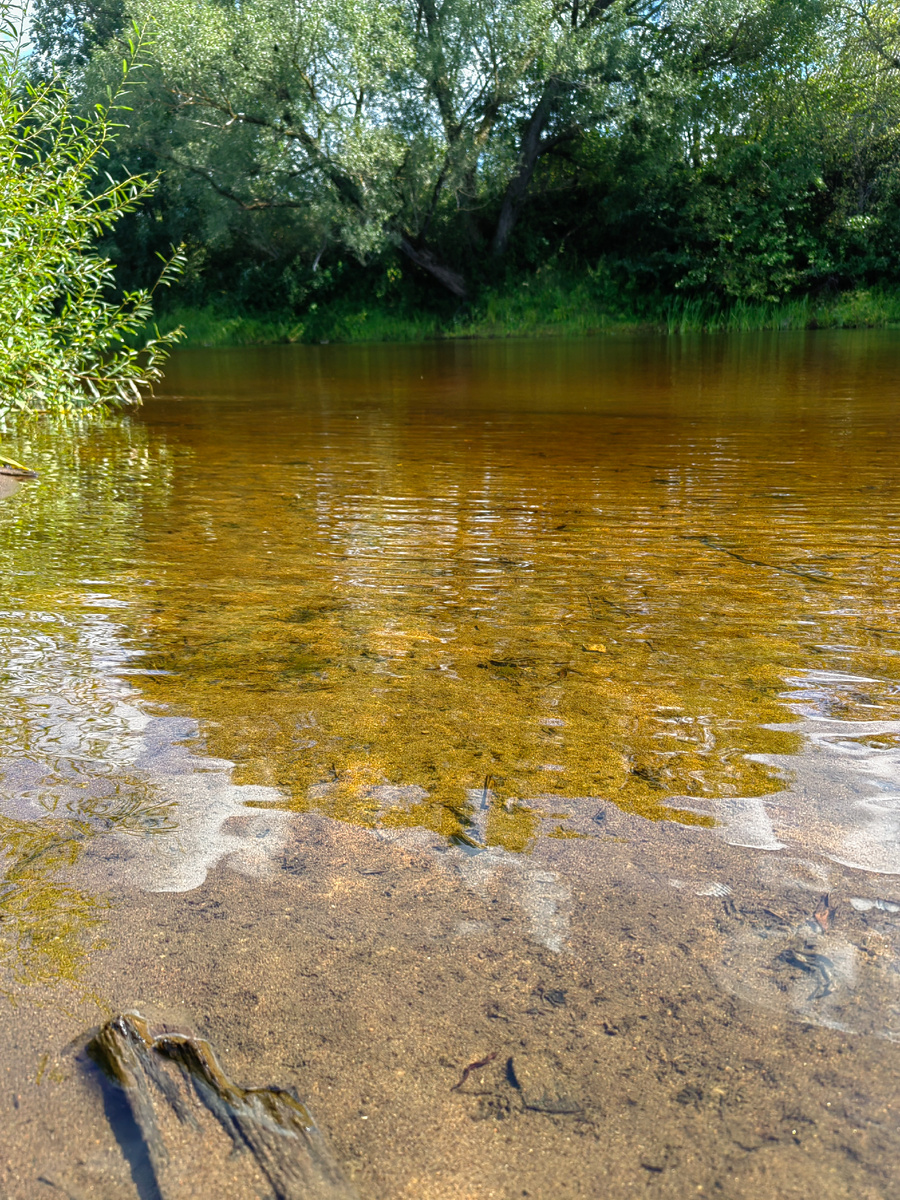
(737, 148)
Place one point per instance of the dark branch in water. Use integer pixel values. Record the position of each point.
(175, 1087)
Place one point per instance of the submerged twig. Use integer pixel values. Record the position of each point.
(475, 1066)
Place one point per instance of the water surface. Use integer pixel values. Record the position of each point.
(383, 710)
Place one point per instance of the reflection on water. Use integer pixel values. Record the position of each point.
(576, 570)
(511, 648)
(456, 588)
(80, 762)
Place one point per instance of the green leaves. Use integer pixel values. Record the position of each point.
(377, 122)
(737, 149)
(65, 344)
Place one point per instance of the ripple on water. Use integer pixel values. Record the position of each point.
(590, 649)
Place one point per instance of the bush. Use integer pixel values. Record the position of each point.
(66, 342)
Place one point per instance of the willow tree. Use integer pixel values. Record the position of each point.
(859, 79)
(383, 121)
(66, 339)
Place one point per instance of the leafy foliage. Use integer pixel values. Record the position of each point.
(318, 152)
(378, 125)
(63, 36)
(64, 342)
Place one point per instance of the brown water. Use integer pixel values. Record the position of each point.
(380, 711)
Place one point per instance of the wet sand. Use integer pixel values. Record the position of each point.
(666, 1048)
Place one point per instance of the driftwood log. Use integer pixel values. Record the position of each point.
(203, 1135)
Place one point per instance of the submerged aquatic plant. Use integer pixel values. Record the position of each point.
(48, 926)
(65, 342)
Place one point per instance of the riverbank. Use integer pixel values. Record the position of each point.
(549, 307)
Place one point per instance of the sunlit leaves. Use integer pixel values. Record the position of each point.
(748, 146)
(378, 121)
(64, 343)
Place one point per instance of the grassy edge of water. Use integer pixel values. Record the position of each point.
(532, 309)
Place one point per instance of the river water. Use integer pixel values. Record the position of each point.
(382, 712)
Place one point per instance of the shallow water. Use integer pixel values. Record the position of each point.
(380, 711)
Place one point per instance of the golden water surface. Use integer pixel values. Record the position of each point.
(551, 612)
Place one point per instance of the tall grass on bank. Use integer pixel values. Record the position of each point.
(848, 310)
(217, 325)
(540, 307)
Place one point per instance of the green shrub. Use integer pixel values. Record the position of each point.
(66, 342)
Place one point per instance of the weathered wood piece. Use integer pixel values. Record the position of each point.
(8, 472)
(181, 1101)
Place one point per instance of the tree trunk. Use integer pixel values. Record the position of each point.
(529, 153)
(446, 276)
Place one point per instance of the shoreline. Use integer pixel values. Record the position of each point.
(550, 311)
